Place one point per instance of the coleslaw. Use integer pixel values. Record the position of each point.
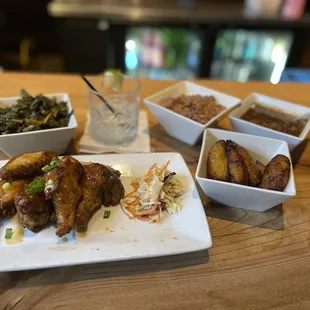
(157, 191)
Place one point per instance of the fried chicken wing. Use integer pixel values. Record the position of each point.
(254, 173)
(65, 193)
(277, 173)
(217, 163)
(113, 189)
(7, 198)
(25, 165)
(99, 184)
(91, 185)
(33, 210)
(237, 169)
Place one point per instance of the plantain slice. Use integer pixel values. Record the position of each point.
(237, 170)
(254, 173)
(217, 164)
(260, 166)
(276, 174)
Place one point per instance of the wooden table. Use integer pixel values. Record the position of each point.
(258, 260)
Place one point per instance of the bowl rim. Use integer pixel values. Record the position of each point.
(282, 135)
(244, 187)
(74, 126)
(149, 101)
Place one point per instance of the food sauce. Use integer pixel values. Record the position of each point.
(274, 119)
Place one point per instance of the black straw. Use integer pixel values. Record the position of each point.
(98, 94)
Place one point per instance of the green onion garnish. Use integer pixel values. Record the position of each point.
(6, 186)
(106, 214)
(8, 233)
(54, 162)
(50, 186)
(46, 168)
(36, 186)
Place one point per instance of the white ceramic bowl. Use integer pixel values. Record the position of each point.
(181, 127)
(247, 127)
(241, 196)
(56, 139)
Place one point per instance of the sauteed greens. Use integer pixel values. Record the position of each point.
(33, 113)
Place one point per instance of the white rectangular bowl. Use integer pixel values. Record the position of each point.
(244, 126)
(56, 139)
(241, 196)
(118, 237)
(179, 126)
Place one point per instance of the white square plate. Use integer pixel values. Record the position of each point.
(116, 238)
(241, 196)
(179, 126)
(244, 126)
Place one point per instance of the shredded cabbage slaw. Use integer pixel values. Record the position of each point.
(157, 191)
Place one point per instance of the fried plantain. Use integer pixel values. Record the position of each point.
(217, 164)
(260, 166)
(254, 174)
(276, 174)
(237, 169)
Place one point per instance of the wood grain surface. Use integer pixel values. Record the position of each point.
(258, 260)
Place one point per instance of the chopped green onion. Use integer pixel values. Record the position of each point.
(46, 168)
(106, 214)
(6, 186)
(36, 186)
(50, 186)
(54, 162)
(8, 233)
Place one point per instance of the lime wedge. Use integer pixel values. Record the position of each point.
(113, 78)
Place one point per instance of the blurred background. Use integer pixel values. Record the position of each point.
(236, 40)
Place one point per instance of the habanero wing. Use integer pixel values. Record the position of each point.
(33, 210)
(100, 185)
(26, 164)
(7, 198)
(63, 189)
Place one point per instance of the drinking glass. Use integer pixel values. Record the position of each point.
(120, 126)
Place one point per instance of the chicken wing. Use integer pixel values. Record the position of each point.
(65, 192)
(113, 189)
(7, 205)
(91, 185)
(99, 184)
(25, 165)
(33, 210)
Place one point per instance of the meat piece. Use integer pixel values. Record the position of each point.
(64, 192)
(7, 205)
(113, 189)
(277, 173)
(33, 210)
(91, 185)
(99, 184)
(254, 173)
(25, 165)
(237, 170)
(217, 163)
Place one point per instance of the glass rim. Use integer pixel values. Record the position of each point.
(137, 89)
